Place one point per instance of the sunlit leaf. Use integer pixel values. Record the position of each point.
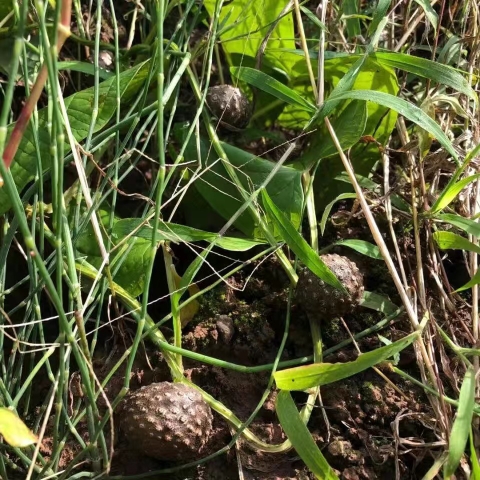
(301, 438)
(14, 431)
(176, 233)
(462, 424)
(361, 246)
(453, 241)
(244, 24)
(466, 224)
(408, 110)
(429, 12)
(268, 84)
(304, 377)
(436, 71)
(449, 195)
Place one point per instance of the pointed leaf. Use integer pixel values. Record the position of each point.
(379, 303)
(268, 84)
(463, 422)
(449, 195)
(302, 378)
(14, 431)
(176, 233)
(436, 71)
(363, 247)
(79, 108)
(452, 241)
(466, 224)
(298, 244)
(407, 109)
(301, 438)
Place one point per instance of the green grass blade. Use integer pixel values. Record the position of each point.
(298, 244)
(379, 303)
(474, 459)
(429, 12)
(302, 378)
(462, 424)
(79, 109)
(176, 233)
(449, 194)
(300, 437)
(466, 224)
(422, 67)
(268, 84)
(407, 109)
(379, 14)
(454, 178)
(452, 241)
(328, 208)
(362, 246)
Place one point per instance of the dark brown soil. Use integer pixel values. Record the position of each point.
(367, 418)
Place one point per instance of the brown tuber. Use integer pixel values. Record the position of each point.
(230, 106)
(166, 421)
(322, 301)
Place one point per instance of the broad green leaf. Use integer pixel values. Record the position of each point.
(449, 195)
(304, 377)
(362, 246)
(298, 244)
(245, 23)
(422, 67)
(462, 424)
(128, 262)
(348, 134)
(328, 208)
(452, 241)
(429, 12)
(379, 303)
(214, 185)
(14, 431)
(408, 110)
(301, 439)
(175, 233)
(380, 124)
(79, 108)
(268, 84)
(466, 224)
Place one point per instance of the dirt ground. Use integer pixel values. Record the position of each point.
(367, 429)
